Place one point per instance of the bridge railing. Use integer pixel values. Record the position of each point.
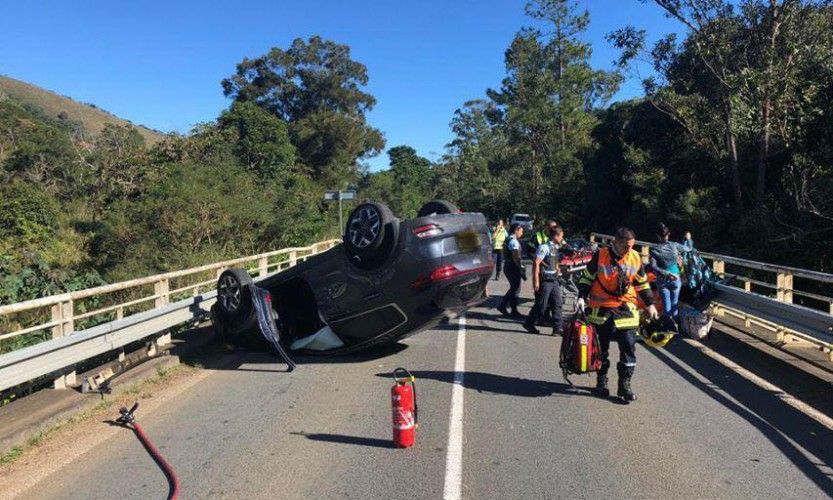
(117, 314)
(765, 295)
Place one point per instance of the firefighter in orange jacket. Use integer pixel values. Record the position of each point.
(609, 286)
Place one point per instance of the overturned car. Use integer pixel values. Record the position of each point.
(389, 279)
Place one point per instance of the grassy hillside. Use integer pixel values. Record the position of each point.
(64, 108)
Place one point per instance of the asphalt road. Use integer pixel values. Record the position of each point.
(249, 430)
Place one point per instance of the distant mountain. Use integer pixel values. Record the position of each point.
(64, 108)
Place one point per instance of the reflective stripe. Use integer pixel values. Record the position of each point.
(595, 318)
(639, 288)
(583, 333)
(606, 281)
(626, 323)
(630, 365)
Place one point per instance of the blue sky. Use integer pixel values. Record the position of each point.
(159, 63)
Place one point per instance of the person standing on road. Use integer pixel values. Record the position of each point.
(545, 274)
(609, 285)
(499, 235)
(514, 270)
(540, 237)
(665, 263)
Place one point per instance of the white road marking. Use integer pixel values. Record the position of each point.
(454, 450)
(775, 390)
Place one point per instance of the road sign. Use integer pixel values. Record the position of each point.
(334, 195)
(340, 196)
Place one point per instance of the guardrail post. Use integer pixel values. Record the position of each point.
(784, 290)
(719, 267)
(293, 258)
(747, 286)
(645, 254)
(62, 313)
(161, 289)
(263, 266)
(592, 238)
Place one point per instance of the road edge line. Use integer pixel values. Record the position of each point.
(453, 486)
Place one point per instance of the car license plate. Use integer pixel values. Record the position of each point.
(468, 241)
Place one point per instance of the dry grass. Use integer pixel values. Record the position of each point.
(124, 397)
(53, 105)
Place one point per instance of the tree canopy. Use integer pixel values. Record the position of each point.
(732, 140)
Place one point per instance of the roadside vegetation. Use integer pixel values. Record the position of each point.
(732, 141)
(122, 397)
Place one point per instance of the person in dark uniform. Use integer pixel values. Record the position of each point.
(545, 271)
(514, 271)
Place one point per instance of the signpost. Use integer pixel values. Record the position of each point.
(339, 195)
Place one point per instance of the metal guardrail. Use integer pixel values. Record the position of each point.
(779, 314)
(67, 347)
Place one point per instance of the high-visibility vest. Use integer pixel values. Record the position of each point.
(499, 236)
(605, 291)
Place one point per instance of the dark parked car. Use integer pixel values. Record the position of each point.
(389, 279)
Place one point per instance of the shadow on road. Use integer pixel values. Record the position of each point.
(338, 438)
(778, 421)
(223, 357)
(501, 384)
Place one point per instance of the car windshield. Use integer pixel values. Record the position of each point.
(522, 218)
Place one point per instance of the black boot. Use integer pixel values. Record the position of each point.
(530, 327)
(625, 391)
(601, 386)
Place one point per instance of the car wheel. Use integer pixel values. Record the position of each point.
(438, 207)
(234, 297)
(370, 233)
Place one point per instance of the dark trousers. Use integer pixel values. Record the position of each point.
(548, 293)
(498, 263)
(510, 300)
(627, 348)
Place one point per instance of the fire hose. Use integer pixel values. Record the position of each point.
(128, 420)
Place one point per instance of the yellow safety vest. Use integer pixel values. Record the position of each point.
(499, 236)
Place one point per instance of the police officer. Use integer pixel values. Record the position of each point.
(545, 271)
(514, 270)
(610, 285)
(499, 235)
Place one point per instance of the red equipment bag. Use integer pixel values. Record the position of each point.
(580, 348)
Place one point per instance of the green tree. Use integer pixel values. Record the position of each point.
(261, 140)
(115, 166)
(412, 177)
(316, 88)
(548, 97)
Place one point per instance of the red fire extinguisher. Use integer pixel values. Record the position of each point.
(403, 401)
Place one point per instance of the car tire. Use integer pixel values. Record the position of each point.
(234, 296)
(245, 336)
(438, 207)
(370, 234)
